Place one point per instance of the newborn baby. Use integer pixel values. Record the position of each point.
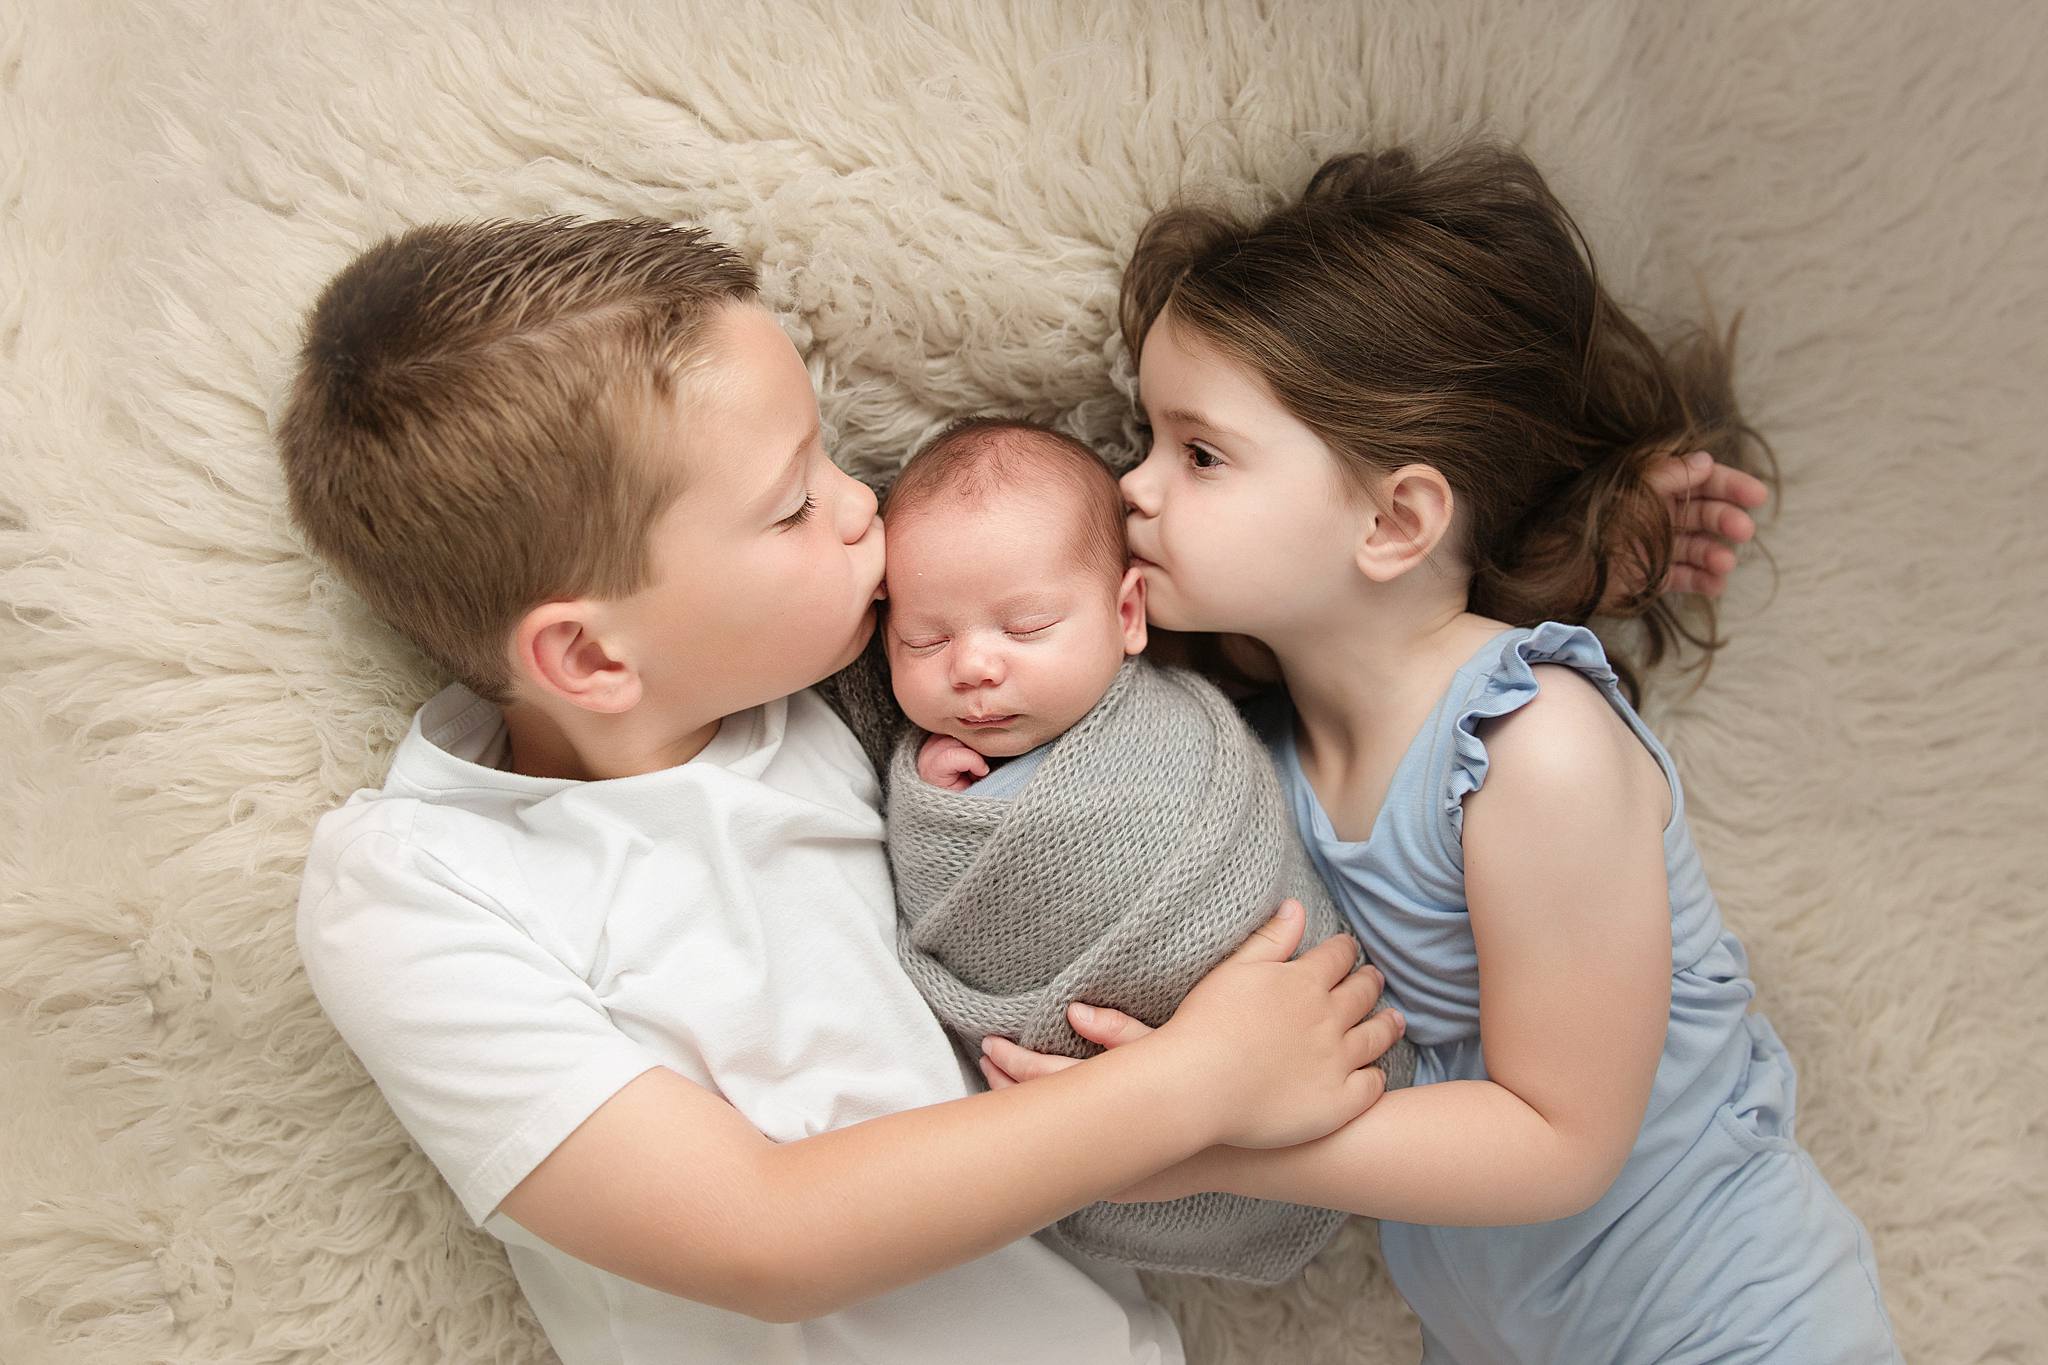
(1067, 821)
(1012, 603)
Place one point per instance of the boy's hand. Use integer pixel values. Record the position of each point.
(1282, 1049)
(1004, 1063)
(945, 762)
(1710, 514)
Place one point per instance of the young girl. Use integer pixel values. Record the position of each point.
(1401, 439)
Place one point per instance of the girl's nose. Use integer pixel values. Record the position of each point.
(1138, 491)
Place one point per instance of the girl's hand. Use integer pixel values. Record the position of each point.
(1710, 513)
(944, 761)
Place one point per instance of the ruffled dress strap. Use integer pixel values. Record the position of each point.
(1502, 679)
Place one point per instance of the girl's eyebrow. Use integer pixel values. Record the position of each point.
(1196, 419)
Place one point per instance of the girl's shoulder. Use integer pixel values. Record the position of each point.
(1543, 703)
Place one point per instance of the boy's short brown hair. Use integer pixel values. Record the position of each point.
(468, 432)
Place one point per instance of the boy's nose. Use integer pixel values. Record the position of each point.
(856, 510)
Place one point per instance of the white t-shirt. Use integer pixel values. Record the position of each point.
(505, 952)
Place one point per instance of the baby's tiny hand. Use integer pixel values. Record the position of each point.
(945, 762)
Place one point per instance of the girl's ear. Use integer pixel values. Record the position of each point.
(1401, 526)
(1130, 610)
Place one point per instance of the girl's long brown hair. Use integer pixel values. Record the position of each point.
(1448, 314)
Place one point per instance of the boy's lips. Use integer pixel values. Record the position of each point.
(999, 719)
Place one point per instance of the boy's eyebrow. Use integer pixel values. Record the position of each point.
(1196, 419)
(796, 456)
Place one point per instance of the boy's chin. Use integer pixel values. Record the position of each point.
(862, 633)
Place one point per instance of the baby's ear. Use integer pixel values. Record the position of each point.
(1130, 610)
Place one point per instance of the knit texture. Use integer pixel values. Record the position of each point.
(1149, 844)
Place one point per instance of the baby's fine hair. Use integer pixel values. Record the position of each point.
(473, 428)
(1447, 313)
(978, 458)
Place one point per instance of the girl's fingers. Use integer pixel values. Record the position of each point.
(1703, 552)
(1683, 579)
(1111, 1028)
(1698, 475)
(1675, 475)
(1716, 517)
(1733, 485)
(1021, 1063)
(997, 1078)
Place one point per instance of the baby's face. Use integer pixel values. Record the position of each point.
(997, 633)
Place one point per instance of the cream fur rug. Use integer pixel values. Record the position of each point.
(195, 1170)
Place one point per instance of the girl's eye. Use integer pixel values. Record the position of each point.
(1201, 457)
(922, 646)
(1035, 630)
(802, 514)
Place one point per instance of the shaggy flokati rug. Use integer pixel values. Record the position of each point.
(195, 1169)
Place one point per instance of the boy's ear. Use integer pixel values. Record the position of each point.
(557, 651)
(1130, 610)
(1408, 519)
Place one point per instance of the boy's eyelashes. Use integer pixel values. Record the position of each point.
(802, 514)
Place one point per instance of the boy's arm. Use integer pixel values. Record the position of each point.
(505, 1066)
(667, 1185)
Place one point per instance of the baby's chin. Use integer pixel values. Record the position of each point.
(1022, 736)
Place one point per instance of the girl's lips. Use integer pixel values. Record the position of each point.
(988, 720)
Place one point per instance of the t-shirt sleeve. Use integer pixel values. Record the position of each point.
(489, 1049)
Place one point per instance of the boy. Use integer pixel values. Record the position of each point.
(615, 938)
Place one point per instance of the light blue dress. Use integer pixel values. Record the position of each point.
(1720, 1241)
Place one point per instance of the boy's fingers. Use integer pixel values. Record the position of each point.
(995, 1076)
(1364, 1087)
(1333, 958)
(1370, 1040)
(1360, 991)
(1111, 1028)
(1276, 939)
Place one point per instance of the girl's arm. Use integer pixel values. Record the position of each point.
(1569, 902)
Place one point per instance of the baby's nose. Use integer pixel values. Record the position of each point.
(977, 665)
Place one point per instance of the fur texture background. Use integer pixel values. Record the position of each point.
(195, 1170)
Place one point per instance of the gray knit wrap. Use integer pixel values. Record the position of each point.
(1148, 845)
